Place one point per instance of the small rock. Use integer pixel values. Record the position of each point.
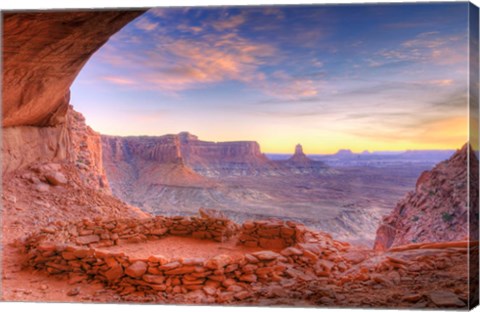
(218, 262)
(291, 251)
(250, 278)
(154, 279)
(42, 187)
(84, 240)
(210, 291)
(241, 295)
(114, 273)
(445, 298)
(73, 292)
(412, 298)
(266, 255)
(137, 269)
(56, 178)
(43, 287)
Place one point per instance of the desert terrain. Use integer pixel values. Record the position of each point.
(176, 220)
(178, 174)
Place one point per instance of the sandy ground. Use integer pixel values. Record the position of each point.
(182, 247)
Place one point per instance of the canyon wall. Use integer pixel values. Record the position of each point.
(438, 209)
(208, 159)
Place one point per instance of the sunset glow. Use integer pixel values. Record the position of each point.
(382, 77)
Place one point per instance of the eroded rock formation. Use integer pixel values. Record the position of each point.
(438, 208)
(42, 54)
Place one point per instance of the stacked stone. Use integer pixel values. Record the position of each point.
(274, 234)
(105, 233)
(220, 279)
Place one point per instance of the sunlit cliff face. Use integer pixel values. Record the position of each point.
(360, 77)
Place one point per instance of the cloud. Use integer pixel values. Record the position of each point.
(119, 80)
(426, 47)
(174, 64)
(231, 22)
(146, 24)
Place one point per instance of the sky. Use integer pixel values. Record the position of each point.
(359, 77)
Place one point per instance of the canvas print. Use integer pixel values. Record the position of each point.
(281, 155)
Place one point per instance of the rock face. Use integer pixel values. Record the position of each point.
(72, 142)
(199, 158)
(135, 165)
(43, 53)
(86, 151)
(438, 208)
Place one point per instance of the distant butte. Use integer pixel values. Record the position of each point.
(299, 156)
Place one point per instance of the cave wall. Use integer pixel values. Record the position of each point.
(43, 52)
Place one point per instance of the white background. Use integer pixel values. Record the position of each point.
(46, 4)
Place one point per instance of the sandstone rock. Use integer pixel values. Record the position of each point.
(155, 279)
(242, 295)
(250, 278)
(137, 269)
(266, 255)
(192, 261)
(274, 243)
(158, 259)
(76, 278)
(160, 231)
(446, 299)
(228, 282)
(63, 43)
(354, 257)
(42, 187)
(291, 251)
(210, 291)
(436, 207)
(82, 253)
(170, 265)
(181, 270)
(73, 292)
(412, 298)
(68, 255)
(218, 262)
(89, 239)
(56, 178)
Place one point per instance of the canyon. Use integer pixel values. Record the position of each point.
(178, 174)
(83, 214)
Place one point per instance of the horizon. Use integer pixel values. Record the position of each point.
(370, 77)
(293, 148)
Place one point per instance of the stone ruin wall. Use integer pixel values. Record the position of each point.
(73, 249)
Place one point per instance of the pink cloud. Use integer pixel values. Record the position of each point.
(229, 23)
(118, 80)
(146, 24)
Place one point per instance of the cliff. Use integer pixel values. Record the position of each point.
(438, 208)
